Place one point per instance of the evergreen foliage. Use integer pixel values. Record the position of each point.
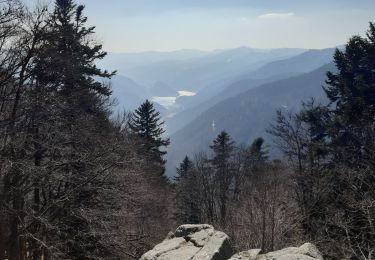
(223, 147)
(146, 124)
(256, 156)
(239, 190)
(333, 146)
(187, 193)
(67, 167)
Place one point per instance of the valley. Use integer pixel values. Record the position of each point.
(238, 89)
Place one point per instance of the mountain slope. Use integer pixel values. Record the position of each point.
(246, 116)
(128, 93)
(273, 71)
(302, 63)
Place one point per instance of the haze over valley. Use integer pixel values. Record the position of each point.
(237, 90)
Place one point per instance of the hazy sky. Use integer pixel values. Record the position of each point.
(139, 25)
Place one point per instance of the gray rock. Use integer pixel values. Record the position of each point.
(247, 255)
(164, 247)
(192, 242)
(305, 252)
(216, 248)
(184, 252)
(203, 242)
(201, 237)
(310, 250)
(187, 229)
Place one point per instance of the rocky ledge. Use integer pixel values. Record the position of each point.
(305, 252)
(203, 242)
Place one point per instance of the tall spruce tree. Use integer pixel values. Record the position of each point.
(256, 156)
(64, 165)
(65, 76)
(67, 60)
(350, 140)
(223, 148)
(352, 95)
(187, 193)
(146, 123)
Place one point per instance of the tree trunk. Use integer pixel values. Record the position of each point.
(14, 245)
(264, 221)
(2, 238)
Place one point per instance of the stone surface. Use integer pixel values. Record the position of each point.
(184, 252)
(162, 248)
(246, 255)
(216, 248)
(305, 252)
(192, 242)
(187, 229)
(203, 242)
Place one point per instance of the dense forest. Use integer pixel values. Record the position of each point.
(80, 181)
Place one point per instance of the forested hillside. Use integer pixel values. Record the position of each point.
(278, 149)
(76, 181)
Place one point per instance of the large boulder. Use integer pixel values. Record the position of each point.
(203, 242)
(192, 242)
(305, 252)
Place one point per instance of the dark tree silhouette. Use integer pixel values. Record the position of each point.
(146, 124)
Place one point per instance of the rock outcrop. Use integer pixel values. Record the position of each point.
(192, 242)
(305, 252)
(203, 242)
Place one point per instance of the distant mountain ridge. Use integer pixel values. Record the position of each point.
(301, 63)
(238, 90)
(185, 66)
(246, 115)
(124, 61)
(200, 69)
(273, 71)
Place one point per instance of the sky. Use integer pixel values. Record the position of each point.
(168, 25)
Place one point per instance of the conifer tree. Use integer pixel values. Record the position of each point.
(335, 150)
(256, 156)
(223, 147)
(146, 123)
(75, 108)
(187, 193)
(350, 141)
(67, 60)
(352, 94)
(66, 168)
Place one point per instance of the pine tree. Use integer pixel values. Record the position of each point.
(64, 164)
(75, 109)
(256, 156)
(146, 124)
(350, 139)
(352, 95)
(223, 148)
(187, 193)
